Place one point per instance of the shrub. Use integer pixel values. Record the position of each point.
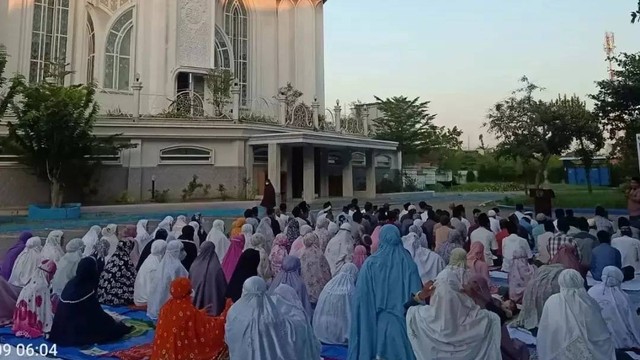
(160, 196)
(223, 192)
(124, 198)
(471, 176)
(386, 186)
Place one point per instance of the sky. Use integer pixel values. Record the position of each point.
(466, 55)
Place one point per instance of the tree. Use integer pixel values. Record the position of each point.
(617, 104)
(635, 15)
(6, 98)
(589, 140)
(219, 83)
(531, 130)
(409, 123)
(53, 134)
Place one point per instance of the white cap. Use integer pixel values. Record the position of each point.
(411, 207)
(491, 213)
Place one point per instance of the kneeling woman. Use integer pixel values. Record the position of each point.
(79, 319)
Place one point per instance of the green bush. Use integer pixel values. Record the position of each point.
(124, 198)
(488, 187)
(160, 196)
(471, 176)
(386, 186)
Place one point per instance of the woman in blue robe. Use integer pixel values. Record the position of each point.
(387, 279)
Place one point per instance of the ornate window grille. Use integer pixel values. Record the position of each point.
(48, 37)
(91, 48)
(117, 69)
(236, 25)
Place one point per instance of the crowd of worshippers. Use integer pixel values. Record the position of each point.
(410, 283)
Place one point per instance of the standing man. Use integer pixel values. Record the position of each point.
(633, 199)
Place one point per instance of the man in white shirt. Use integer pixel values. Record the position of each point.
(494, 223)
(488, 239)
(424, 215)
(629, 248)
(519, 211)
(511, 244)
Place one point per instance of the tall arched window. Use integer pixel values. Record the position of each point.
(48, 37)
(236, 26)
(117, 62)
(223, 53)
(91, 48)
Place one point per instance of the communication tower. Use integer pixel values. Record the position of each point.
(609, 49)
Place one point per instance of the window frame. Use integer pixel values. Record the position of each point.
(125, 30)
(162, 158)
(54, 34)
(388, 161)
(236, 27)
(91, 49)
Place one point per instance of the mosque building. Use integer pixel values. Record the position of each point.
(150, 61)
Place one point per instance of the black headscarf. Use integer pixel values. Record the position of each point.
(161, 234)
(190, 247)
(79, 319)
(246, 268)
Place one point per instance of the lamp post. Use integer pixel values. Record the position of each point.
(153, 187)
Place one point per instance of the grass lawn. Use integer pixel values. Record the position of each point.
(572, 196)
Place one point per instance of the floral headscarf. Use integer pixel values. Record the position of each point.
(452, 243)
(316, 272)
(293, 231)
(278, 253)
(119, 276)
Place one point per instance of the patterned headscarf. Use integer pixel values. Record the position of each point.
(316, 272)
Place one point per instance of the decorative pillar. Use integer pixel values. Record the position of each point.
(235, 93)
(282, 116)
(337, 110)
(315, 107)
(288, 150)
(308, 175)
(137, 88)
(347, 175)
(365, 120)
(371, 174)
(273, 171)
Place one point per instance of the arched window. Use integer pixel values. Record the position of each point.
(260, 155)
(48, 37)
(91, 48)
(223, 53)
(334, 159)
(117, 64)
(383, 161)
(186, 155)
(236, 25)
(358, 159)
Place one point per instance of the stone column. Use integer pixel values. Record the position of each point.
(309, 179)
(365, 121)
(315, 107)
(136, 87)
(274, 168)
(371, 174)
(347, 175)
(134, 180)
(337, 112)
(288, 151)
(324, 172)
(282, 110)
(248, 168)
(235, 93)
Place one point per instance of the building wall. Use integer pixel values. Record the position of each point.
(19, 187)
(179, 36)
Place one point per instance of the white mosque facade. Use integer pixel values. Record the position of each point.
(149, 60)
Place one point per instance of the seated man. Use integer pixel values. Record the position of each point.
(605, 255)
